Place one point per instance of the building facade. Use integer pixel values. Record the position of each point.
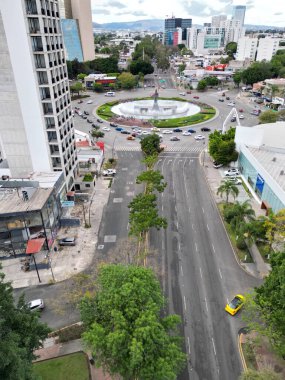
(36, 124)
(170, 27)
(246, 49)
(267, 48)
(72, 43)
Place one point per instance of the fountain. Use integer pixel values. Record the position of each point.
(155, 109)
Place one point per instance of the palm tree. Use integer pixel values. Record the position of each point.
(228, 187)
(242, 211)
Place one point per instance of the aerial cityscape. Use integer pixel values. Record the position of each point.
(142, 190)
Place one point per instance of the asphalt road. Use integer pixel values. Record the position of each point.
(201, 273)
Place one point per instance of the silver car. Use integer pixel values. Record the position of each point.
(36, 304)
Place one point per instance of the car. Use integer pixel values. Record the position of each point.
(131, 138)
(196, 97)
(191, 130)
(186, 133)
(95, 126)
(146, 133)
(80, 113)
(227, 98)
(235, 180)
(84, 117)
(86, 113)
(177, 130)
(241, 116)
(89, 102)
(106, 129)
(221, 100)
(240, 110)
(233, 119)
(80, 101)
(189, 92)
(109, 172)
(231, 172)
(217, 165)
(223, 94)
(36, 304)
(99, 121)
(235, 305)
(69, 241)
(174, 138)
(134, 134)
(154, 129)
(231, 104)
(167, 131)
(113, 125)
(124, 132)
(89, 121)
(199, 137)
(182, 93)
(205, 129)
(119, 129)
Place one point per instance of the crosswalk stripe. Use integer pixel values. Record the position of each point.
(167, 149)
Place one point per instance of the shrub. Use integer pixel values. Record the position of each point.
(241, 244)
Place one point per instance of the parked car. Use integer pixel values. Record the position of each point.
(233, 119)
(221, 100)
(100, 121)
(119, 129)
(185, 133)
(241, 116)
(69, 241)
(177, 130)
(191, 130)
(109, 172)
(217, 165)
(231, 172)
(235, 305)
(235, 180)
(199, 137)
(223, 94)
(174, 138)
(86, 113)
(113, 125)
(36, 304)
(205, 129)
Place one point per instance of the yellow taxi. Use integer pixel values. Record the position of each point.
(235, 305)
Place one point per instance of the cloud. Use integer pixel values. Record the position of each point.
(115, 4)
(132, 13)
(278, 13)
(101, 11)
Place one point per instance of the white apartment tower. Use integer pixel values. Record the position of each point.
(216, 20)
(267, 47)
(246, 48)
(36, 125)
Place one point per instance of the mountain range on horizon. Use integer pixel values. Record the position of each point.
(157, 25)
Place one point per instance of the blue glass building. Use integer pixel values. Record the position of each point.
(71, 39)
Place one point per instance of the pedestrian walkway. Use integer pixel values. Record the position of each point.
(196, 149)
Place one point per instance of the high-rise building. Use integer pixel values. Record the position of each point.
(79, 10)
(72, 43)
(36, 123)
(267, 48)
(170, 27)
(239, 13)
(216, 20)
(246, 49)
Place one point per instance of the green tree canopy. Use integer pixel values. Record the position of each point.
(97, 134)
(265, 374)
(202, 85)
(77, 87)
(98, 87)
(20, 334)
(268, 117)
(153, 180)
(212, 81)
(237, 78)
(222, 146)
(257, 72)
(141, 66)
(81, 76)
(150, 145)
(229, 188)
(125, 330)
(127, 80)
(231, 49)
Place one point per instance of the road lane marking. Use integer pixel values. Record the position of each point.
(175, 208)
(176, 223)
(181, 269)
(208, 228)
(188, 340)
(206, 305)
(192, 226)
(213, 248)
(179, 246)
(220, 274)
(214, 346)
(184, 302)
(162, 208)
(201, 272)
(196, 247)
(128, 226)
(203, 210)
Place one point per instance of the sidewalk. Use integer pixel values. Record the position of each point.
(214, 176)
(67, 261)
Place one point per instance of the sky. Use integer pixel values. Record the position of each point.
(259, 12)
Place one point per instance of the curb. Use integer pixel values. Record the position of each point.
(209, 187)
(244, 365)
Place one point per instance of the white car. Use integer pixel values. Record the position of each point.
(241, 116)
(167, 131)
(36, 304)
(106, 129)
(89, 102)
(109, 172)
(137, 130)
(199, 137)
(154, 129)
(186, 133)
(231, 104)
(235, 180)
(146, 133)
(182, 93)
(231, 172)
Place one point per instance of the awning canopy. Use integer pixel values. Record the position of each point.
(34, 245)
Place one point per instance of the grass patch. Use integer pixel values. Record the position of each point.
(249, 355)
(183, 121)
(71, 367)
(241, 253)
(264, 250)
(78, 97)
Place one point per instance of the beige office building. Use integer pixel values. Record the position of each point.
(80, 10)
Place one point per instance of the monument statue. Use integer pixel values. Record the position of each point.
(155, 100)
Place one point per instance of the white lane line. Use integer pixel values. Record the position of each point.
(176, 223)
(179, 246)
(214, 346)
(175, 208)
(213, 248)
(128, 226)
(196, 247)
(192, 226)
(181, 270)
(162, 208)
(188, 340)
(201, 272)
(203, 210)
(206, 303)
(208, 228)
(220, 274)
(184, 302)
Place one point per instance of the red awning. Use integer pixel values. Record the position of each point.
(34, 246)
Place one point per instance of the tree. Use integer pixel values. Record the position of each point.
(125, 330)
(150, 161)
(265, 307)
(275, 226)
(81, 76)
(268, 117)
(222, 147)
(144, 215)
(229, 188)
(21, 334)
(237, 213)
(141, 66)
(273, 90)
(76, 87)
(127, 80)
(265, 374)
(181, 46)
(153, 180)
(181, 68)
(257, 72)
(202, 85)
(212, 81)
(231, 49)
(150, 145)
(237, 78)
(97, 134)
(98, 87)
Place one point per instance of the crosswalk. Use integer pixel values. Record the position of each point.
(196, 149)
